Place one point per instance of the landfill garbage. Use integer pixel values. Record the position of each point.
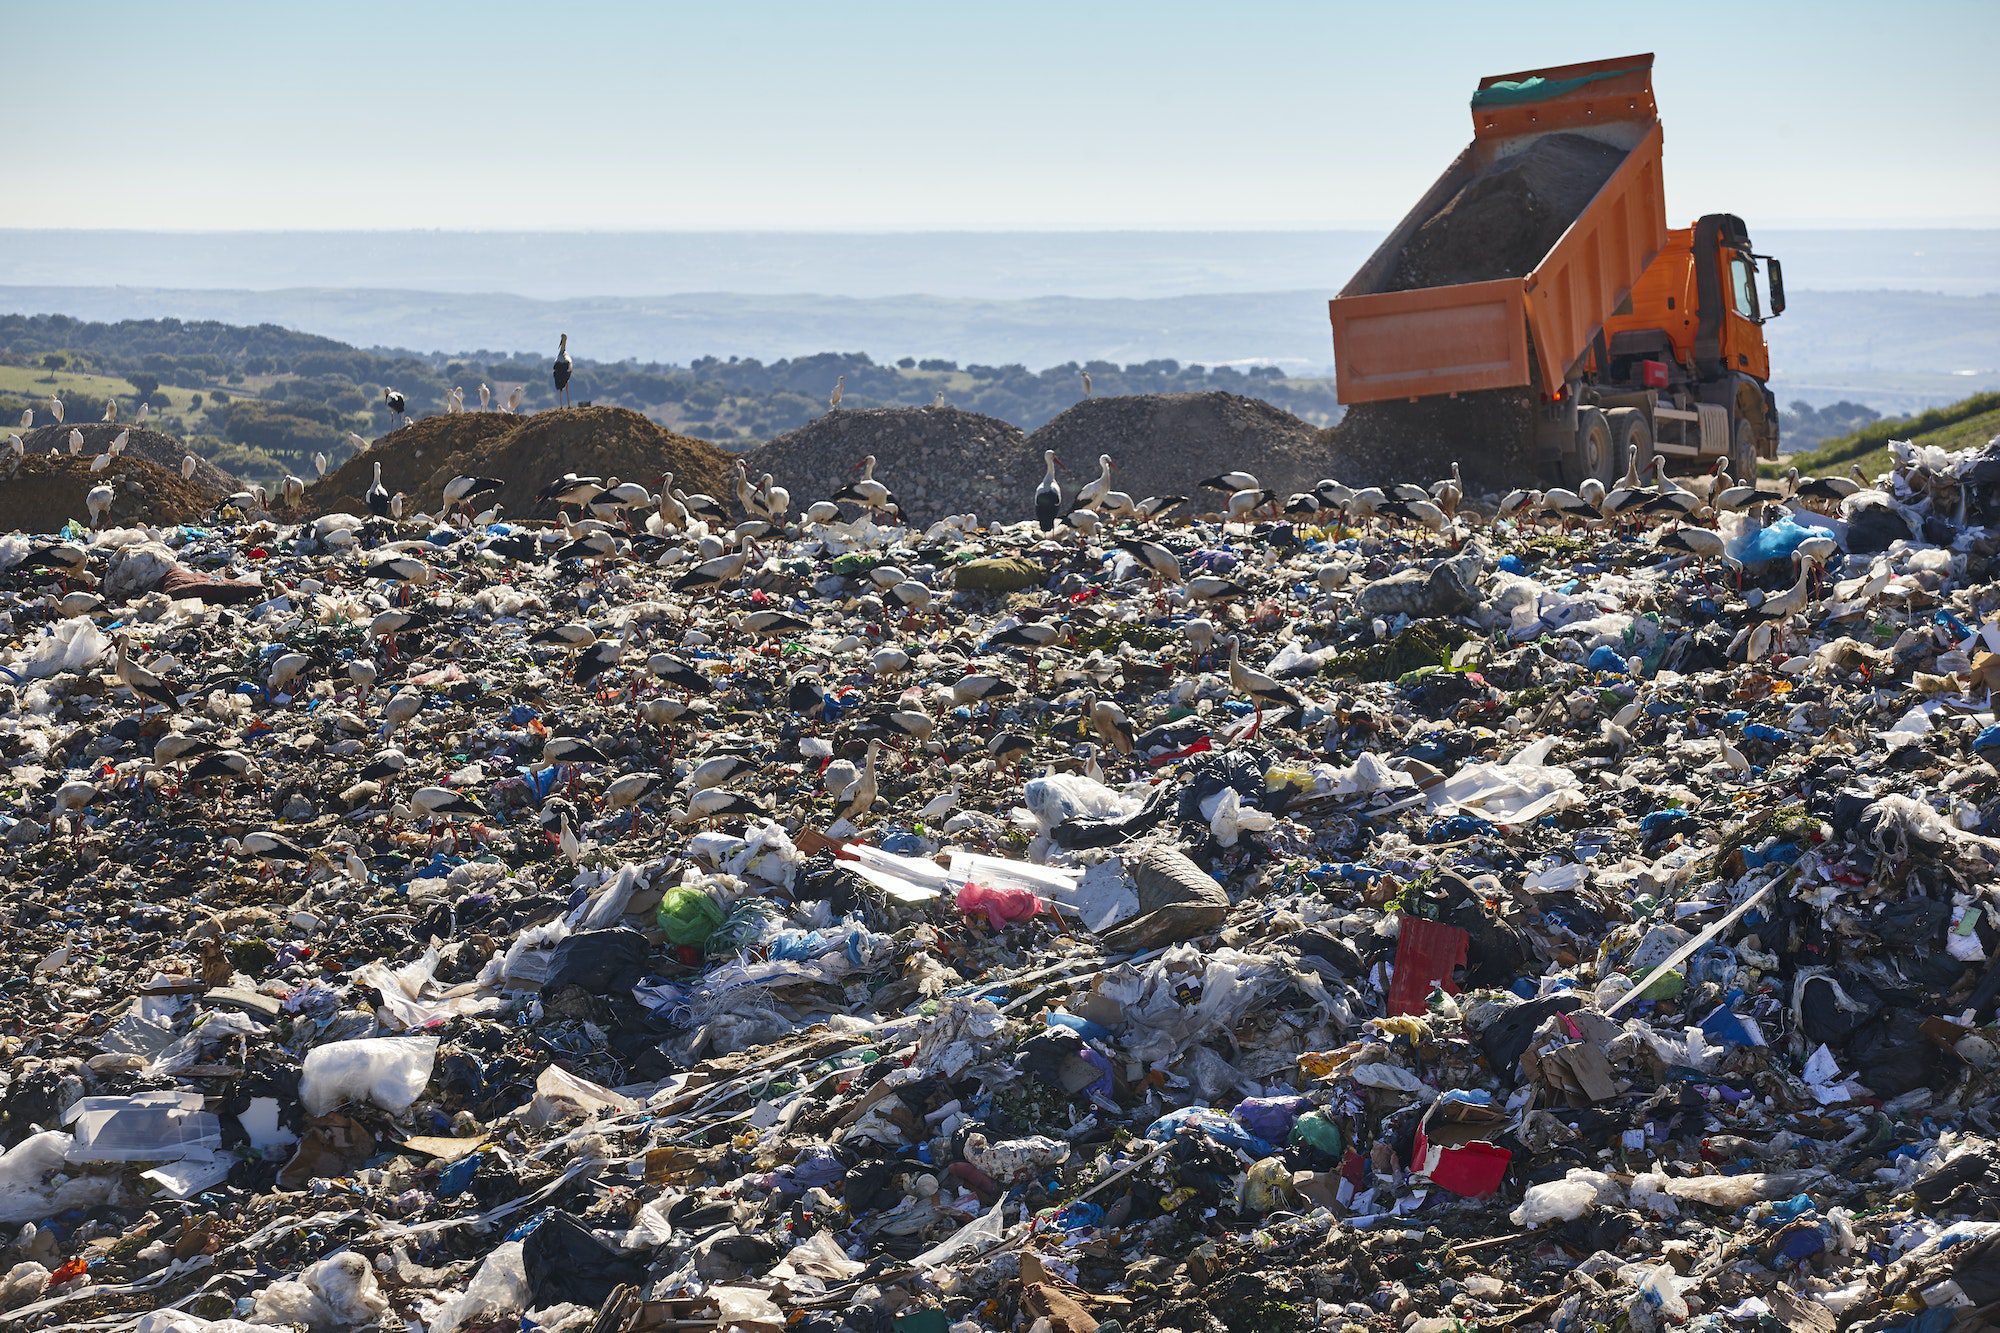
(684, 922)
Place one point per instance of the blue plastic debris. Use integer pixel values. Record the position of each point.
(454, 1178)
(1774, 541)
(1661, 819)
(1454, 827)
(1607, 659)
(1728, 1028)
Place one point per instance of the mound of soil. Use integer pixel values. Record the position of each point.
(937, 460)
(602, 442)
(1162, 444)
(1503, 220)
(1488, 434)
(408, 457)
(155, 447)
(42, 492)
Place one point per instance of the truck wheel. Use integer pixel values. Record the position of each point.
(1743, 451)
(1631, 439)
(1594, 456)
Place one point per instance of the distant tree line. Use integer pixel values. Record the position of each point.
(270, 398)
(1804, 426)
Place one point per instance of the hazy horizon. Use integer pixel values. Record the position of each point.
(1039, 115)
(952, 264)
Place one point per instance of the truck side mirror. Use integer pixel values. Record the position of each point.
(1776, 273)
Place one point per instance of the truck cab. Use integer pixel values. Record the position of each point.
(1692, 332)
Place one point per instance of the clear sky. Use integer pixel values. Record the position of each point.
(865, 115)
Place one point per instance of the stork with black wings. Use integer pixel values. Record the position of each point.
(563, 367)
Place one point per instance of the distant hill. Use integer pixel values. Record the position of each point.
(1892, 350)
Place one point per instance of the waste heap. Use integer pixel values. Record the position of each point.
(882, 928)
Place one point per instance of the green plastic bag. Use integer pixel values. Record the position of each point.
(689, 916)
(1317, 1131)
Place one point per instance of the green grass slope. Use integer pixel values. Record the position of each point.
(1970, 421)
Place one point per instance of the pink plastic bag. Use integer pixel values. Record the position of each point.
(999, 905)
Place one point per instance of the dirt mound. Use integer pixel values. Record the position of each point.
(1503, 220)
(602, 442)
(1487, 434)
(938, 460)
(1162, 444)
(408, 457)
(155, 447)
(42, 492)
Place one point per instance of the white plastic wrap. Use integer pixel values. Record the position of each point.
(390, 1072)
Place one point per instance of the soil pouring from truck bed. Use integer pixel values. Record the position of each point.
(1509, 215)
(1375, 444)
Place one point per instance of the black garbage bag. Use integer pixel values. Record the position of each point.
(1969, 1184)
(1825, 1019)
(1055, 1057)
(1507, 1036)
(566, 1263)
(1081, 833)
(823, 879)
(1892, 1055)
(1878, 526)
(1207, 774)
(600, 961)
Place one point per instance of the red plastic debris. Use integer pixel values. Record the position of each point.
(1427, 953)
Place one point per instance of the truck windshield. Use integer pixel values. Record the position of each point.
(1743, 287)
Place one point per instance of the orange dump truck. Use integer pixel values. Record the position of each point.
(1537, 291)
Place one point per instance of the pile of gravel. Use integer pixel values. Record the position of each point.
(1163, 444)
(607, 442)
(937, 460)
(1509, 215)
(42, 492)
(525, 452)
(161, 450)
(408, 457)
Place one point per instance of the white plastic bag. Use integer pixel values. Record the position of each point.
(981, 1233)
(497, 1292)
(1565, 1200)
(391, 1072)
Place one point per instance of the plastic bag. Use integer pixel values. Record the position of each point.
(70, 646)
(689, 916)
(498, 1291)
(1564, 1200)
(999, 905)
(561, 1093)
(36, 1181)
(981, 1233)
(390, 1072)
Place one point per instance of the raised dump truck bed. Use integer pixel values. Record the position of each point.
(1503, 274)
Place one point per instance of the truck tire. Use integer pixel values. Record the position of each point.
(1593, 454)
(1631, 439)
(1743, 450)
